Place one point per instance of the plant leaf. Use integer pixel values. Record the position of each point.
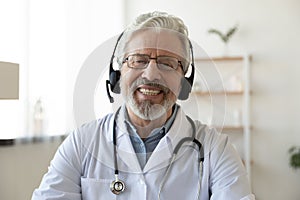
(219, 33)
(231, 31)
(292, 149)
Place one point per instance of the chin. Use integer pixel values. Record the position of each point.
(148, 110)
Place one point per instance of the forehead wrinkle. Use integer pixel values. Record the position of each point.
(166, 41)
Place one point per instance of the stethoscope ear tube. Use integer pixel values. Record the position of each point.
(118, 186)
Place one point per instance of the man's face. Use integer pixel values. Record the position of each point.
(151, 92)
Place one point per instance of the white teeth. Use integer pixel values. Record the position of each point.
(149, 92)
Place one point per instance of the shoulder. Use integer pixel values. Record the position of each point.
(215, 144)
(91, 132)
(95, 126)
(208, 134)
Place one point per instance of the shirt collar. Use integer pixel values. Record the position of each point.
(178, 128)
(132, 130)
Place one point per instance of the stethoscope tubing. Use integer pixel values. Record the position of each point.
(176, 150)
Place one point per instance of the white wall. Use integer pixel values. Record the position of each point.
(51, 39)
(269, 30)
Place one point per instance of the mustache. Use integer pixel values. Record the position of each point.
(157, 84)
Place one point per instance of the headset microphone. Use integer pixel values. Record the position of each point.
(111, 99)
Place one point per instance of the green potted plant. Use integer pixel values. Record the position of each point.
(225, 37)
(294, 152)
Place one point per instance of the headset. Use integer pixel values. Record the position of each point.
(114, 76)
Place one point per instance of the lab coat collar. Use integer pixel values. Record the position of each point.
(173, 133)
(162, 154)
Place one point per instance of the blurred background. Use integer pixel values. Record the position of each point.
(48, 41)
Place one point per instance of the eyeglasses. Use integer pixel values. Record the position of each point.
(141, 61)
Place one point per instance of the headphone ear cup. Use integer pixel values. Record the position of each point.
(185, 89)
(114, 79)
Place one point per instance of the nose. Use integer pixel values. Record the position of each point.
(151, 72)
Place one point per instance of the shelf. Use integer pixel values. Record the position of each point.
(221, 59)
(230, 128)
(236, 91)
(32, 140)
(218, 93)
(7, 142)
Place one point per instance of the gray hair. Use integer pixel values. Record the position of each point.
(159, 20)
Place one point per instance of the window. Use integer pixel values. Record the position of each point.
(50, 40)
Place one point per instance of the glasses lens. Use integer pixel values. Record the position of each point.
(167, 63)
(138, 61)
(141, 61)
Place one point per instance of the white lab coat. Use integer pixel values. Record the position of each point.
(83, 167)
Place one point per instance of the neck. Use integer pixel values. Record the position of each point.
(144, 127)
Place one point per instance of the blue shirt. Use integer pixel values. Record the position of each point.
(144, 148)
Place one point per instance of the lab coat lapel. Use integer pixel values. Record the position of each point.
(127, 155)
(160, 156)
(125, 151)
(163, 152)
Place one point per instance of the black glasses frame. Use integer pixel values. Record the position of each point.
(160, 65)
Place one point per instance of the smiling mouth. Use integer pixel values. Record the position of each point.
(149, 92)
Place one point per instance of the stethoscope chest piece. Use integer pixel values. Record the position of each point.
(117, 186)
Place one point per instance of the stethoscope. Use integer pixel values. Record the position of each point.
(118, 186)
